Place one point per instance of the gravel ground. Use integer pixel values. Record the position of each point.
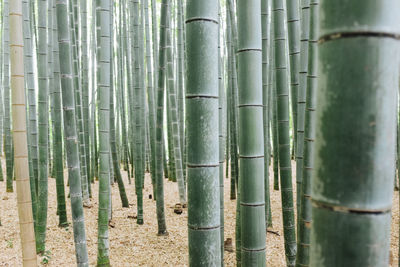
(138, 245)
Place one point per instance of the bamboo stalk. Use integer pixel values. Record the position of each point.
(7, 113)
(162, 228)
(202, 133)
(24, 202)
(43, 109)
(70, 133)
(58, 155)
(251, 138)
(282, 98)
(104, 60)
(355, 137)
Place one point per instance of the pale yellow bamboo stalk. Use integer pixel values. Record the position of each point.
(24, 201)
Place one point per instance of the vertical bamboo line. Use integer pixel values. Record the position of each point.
(355, 130)
(282, 98)
(24, 202)
(57, 153)
(202, 133)
(104, 61)
(70, 133)
(43, 109)
(7, 112)
(30, 84)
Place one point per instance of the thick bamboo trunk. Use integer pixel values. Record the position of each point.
(103, 83)
(251, 138)
(24, 203)
(202, 133)
(355, 132)
(70, 133)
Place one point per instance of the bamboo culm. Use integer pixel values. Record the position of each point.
(43, 108)
(202, 133)
(282, 99)
(103, 84)
(365, 150)
(70, 133)
(24, 204)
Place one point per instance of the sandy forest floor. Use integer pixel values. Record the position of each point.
(134, 245)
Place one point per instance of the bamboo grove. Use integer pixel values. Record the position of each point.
(259, 92)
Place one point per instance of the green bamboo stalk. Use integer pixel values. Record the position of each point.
(138, 111)
(221, 138)
(103, 84)
(142, 97)
(1, 92)
(266, 41)
(131, 74)
(7, 112)
(150, 94)
(58, 155)
(251, 140)
(230, 107)
(282, 93)
(227, 127)
(31, 111)
(202, 133)
(293, 29)
(50, 140)
(352, 183)
(78, 101)
(274, 124)
(70, 133)
(301, 104)
(32, 130)
(24, 204)
(34, 29)
(271, 112)
(273, 108)
(293, 25)
(398, 150)
(174, 121)
(162, 228)
(170, 145)
(270, 102)
(112, 85)
(93, 69)
(180, 81)
(305, 219)
(125, 54)
(234, 133)
(43, 108)
(154, 36)
(85, 85)
(115, 161)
